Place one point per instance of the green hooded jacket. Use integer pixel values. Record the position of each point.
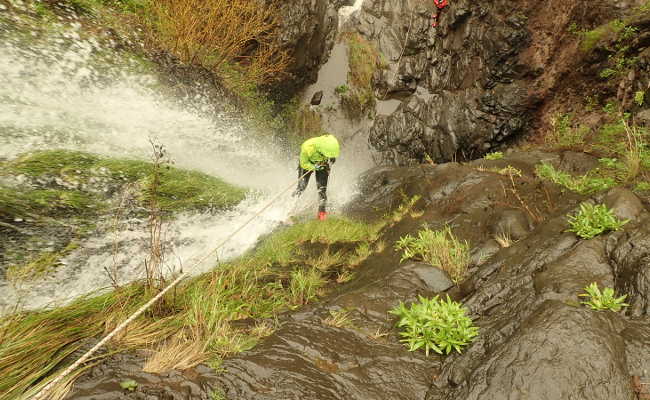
(318, 149)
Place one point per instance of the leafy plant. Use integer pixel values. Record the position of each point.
(605, 300)
(342, 89)
(129, 385)
(607, 73)
(439, 248)
(592, 220)
(435, 324)
(639, 97)
(497, 155)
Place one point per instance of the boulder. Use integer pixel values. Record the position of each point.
(560, 352)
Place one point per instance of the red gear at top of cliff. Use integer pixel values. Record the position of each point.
(440, 3)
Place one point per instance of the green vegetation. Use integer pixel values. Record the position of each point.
(192, 324)
(364, 61)
(343, 89)
(591, 38)
(129, 385)
(439, 248)
(639, 97)
(565, 134)
(51, 202)
(605, 300)
(585, 184)
(592, 220)
(497, 155)
(38, 265)
(178, 190)
(642, 187)
(434, 324)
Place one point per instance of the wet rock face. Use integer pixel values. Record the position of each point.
(309, 359)
(462, 81)
(308, 32)
(560, 352)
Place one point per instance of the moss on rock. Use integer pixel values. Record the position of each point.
(179, 190)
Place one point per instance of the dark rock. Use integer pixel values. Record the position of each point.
(434, 279)
(560, 352)
(624, 203)
(462, 79)
(309, 361)
(631, 256)
(566, 277)
(316, 98)
(637, 347)
(511, 223)
(308, 32)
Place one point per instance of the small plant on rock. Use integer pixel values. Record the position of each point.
(592, 220)
(497, 155)
(604, 300)
(435, 324)
(439, 248)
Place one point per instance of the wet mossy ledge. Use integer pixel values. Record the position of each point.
(79, 181)
(50, 201)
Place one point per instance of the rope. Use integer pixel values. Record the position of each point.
(41, 394)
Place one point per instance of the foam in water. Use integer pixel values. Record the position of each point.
(53, 94)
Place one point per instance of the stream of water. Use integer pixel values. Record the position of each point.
(54, 94)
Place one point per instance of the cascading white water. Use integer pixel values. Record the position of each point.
(55, 94)
(346, 12)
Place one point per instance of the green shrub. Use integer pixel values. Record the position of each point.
(497, 155)
(438, 248)
(592, 220)
(434, 324)
(604, 300)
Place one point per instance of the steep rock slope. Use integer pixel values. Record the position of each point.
(487, 73)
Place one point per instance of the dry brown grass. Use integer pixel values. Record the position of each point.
(633, 153)
(222, 35)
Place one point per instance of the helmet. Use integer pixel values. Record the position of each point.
(329, 146)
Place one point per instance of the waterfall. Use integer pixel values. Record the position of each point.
(68, 91)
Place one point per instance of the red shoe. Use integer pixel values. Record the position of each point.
(322, 215)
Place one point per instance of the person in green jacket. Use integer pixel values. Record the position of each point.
(317, 154)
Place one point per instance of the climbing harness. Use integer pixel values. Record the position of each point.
(440, 4)
(46, 389)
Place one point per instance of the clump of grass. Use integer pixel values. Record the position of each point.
(282, 247)
(592, 220)
(222, 36)
(339, 319)
(584, 184)
(439, 248)
(565, 134)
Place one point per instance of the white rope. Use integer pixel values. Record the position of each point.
(43, 392)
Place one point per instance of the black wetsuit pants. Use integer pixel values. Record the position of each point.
(322, 175)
